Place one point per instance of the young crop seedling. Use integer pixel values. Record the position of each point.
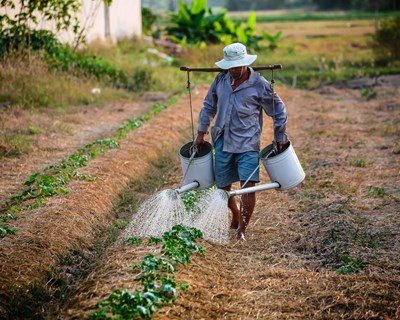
(350, 265)
(159, 288)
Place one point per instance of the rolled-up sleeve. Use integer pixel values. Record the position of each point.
(276, 109)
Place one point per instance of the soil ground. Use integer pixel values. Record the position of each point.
(300, 243)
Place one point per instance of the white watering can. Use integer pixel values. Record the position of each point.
(197, 167)
(284, 169)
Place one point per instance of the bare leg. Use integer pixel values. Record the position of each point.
(247, 204)
(232, 204)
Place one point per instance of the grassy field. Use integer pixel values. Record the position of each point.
(305, 15)
(324, 51)
(311, 52)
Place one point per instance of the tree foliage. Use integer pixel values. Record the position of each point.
(387, 38)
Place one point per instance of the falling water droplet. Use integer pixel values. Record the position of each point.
(157, 215)
(213, 219)
(165, 209)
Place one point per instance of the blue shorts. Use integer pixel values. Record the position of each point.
(233, 167)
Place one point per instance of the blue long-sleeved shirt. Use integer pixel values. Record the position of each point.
(239, 113)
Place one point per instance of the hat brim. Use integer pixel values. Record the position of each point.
(246, 61)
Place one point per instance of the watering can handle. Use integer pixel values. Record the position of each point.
(190, 160)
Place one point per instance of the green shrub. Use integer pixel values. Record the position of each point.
(387, 39)
(148, 20)
(198, 25)
(62, 57)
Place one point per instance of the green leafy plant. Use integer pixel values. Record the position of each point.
(148, 20)
(158, 286)
(369, 93)
(272, 39)
(5, 231)
(135, 240)
(359, 162)
(350, 265)
(377, 191)
(198, 25)
(387, 38)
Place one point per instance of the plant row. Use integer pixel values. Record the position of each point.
(158, 288)
(52, 181)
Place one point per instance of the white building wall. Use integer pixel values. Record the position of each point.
(125, 20)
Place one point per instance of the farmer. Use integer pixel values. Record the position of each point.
(236, 98)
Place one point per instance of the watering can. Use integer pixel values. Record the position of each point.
(197, 167)
(284, 169)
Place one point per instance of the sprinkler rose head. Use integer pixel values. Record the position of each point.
(173, 194)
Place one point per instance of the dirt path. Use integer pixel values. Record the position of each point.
(343, 216)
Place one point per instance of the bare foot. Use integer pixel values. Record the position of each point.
(234, 225)
(240, 235)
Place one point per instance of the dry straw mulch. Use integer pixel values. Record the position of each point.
(296, 242)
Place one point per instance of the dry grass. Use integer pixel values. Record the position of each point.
(27, 82)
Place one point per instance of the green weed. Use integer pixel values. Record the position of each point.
(34, 130)
(135, 240)
(369, 93)
(29, 83)
(14, 144)
(377, 191)
(350, 266)
(358, 162)
(297, 17)
(390, 129)
(114, 229)
(320, 132)
(345, 120)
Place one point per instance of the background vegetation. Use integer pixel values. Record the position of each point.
(37, 71)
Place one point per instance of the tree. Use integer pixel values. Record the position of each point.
(387, 38)
(29, 13)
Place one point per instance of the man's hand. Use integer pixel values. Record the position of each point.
(199, 140)
(282, 146)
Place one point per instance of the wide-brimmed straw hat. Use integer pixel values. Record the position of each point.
(235, 55)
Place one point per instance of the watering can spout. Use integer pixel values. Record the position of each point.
(254, 189)
(188, 187)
